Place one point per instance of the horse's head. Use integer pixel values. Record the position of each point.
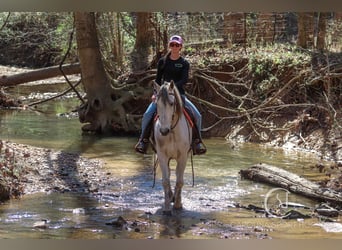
(169, 106)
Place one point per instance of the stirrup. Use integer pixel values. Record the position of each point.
(198, 147)
(141, 146)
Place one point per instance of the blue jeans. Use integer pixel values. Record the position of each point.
(152, 108)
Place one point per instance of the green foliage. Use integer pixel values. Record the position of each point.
(34, 39)
(266, 63)
(38, 39)
(190, 50)
(62, 33)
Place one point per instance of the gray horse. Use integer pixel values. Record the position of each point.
(172, 137)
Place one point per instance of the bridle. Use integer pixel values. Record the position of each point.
(174, 109)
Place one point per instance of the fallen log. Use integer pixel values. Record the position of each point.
(39, 74)
(294, 183)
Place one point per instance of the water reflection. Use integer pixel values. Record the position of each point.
(172, 226)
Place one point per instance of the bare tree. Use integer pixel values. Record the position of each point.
(235, 29)
(322, 30)
(97, 111)
(143, 41)
(305, 29)
(117, 48)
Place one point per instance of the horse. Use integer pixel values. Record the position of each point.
(172, 139)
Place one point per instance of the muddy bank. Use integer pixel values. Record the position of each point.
(31, 169)
(325, 143)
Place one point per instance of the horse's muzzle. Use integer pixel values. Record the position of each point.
(164, 131)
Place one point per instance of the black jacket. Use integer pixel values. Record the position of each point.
(176, 70)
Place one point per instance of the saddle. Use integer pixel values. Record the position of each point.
(187, 113)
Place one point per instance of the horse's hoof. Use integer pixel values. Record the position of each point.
(167, 213)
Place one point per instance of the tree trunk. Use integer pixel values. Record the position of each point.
(98, 110)
(322, 30)
(117, 49)
(265, 27)
(301, 42)
(292, 182)
(234, 26)
(143, 40)
(305, 29)
(39, 74)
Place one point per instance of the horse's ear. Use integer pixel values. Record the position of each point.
(172, 84)
(156, 86)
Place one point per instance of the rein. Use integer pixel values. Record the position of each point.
(174, 111)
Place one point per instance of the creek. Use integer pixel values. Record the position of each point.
(209, 206)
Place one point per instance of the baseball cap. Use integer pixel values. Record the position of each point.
(176, 39)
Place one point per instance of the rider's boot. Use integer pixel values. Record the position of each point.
(198, 148)
(142, 145)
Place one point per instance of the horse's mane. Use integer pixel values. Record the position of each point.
(164, 95)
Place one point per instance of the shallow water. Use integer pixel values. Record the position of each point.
(217, 187)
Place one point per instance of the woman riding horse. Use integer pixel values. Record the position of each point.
(172, 67)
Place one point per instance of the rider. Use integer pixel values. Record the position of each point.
(172, 67)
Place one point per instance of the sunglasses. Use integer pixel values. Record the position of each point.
(174, 45)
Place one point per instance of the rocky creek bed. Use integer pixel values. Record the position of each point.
(32, 169)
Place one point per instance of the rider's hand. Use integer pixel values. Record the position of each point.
(153, 98)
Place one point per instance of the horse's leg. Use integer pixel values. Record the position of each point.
(172, 197)
(179, 183)
(164, 166)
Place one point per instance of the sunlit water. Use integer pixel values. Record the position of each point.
(217, 185)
